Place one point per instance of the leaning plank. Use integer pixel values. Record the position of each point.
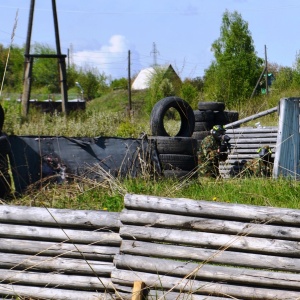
(105, 253)
(212, 240)
(60, 217)
(253, 117)
(52, 264)
(54, 234)
(207, 272)
(152, 219)
(210, 255)
(202, 287)
(50, 293)
(200, 208)
(55, 280)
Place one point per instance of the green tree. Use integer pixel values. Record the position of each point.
(14, 72)
(233, 74)
(45, 71)
(121, 83)
(189, 93)
(90, 80)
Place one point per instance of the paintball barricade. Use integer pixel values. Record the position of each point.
(187, 249)
(245, 142)
(57, 253)
(156, 248)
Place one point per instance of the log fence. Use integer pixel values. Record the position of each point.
(187, 249)
(155, 248)
(50, 253)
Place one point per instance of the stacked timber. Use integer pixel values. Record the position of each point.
(245, 141)
(188, 249)
(57, 253)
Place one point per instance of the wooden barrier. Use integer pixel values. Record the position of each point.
(244, 144)
(57, 253)
(187, 249)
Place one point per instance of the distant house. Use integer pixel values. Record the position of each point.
(143, 78)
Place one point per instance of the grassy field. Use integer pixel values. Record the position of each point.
(108, 116)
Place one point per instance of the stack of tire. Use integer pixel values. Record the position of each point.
(210, 114)
(177, 154)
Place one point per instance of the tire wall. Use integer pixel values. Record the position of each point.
(209, 114)
(177, 156)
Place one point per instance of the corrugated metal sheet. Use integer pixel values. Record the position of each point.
(287, 157)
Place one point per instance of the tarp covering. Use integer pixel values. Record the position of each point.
(34, 158)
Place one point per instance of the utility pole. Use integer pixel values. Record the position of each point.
(155, 52)
(129, 82)
(29, 63)
(266, 68)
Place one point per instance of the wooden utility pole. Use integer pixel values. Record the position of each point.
(266, 68)
(29, 58)
(129, 83)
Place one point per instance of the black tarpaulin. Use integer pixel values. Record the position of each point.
(34, 158)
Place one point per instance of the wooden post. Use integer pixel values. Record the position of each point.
(129, 83)
(138, 290)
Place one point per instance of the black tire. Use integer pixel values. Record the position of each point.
(180, 174)
(200, 135)
(232, 116)
(175, 145)
(178, 162)
(185, 111)
(225, 117)
(203, 126)
(204, 115)
(215, 106)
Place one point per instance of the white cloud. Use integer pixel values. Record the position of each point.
(111, 58)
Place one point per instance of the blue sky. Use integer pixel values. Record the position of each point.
(99, 33)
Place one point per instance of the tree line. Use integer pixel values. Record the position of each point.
(230, 78)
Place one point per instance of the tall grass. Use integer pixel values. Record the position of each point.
(100, 120)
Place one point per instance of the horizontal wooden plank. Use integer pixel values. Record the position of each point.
(56, 234)
(252, 129)
(60, 217)
(210, 255)
(251, 147)
(56, 280)
(50, 293)
(201, 287)
(256, 140)
(246, 134)
(212, 240)
(179, 222)
(215, 273)
(55, 264)
(202, 208)
(105, 253)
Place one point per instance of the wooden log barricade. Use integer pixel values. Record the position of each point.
(188, 249)
(57, 253)
(245, 142)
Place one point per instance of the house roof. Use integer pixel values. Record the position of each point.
(142, 80)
